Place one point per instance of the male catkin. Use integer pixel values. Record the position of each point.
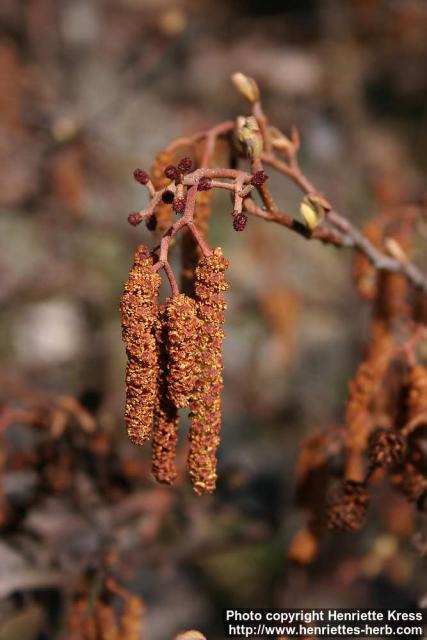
(139, 312)
(165, 431)
(182, 326)
(204, 433)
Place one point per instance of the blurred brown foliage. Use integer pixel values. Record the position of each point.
(88, 92)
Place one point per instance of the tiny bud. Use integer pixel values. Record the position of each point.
(171, 172)
(141, 176)
(239, 221)
(205, 184)
(280, 141)
(312, 212)
(250, 137)
(185, 165)
(168, 196)
(134, 219)
(395, 250)
(246, 86)
(258, 178)
(151, 222)
(179, 205)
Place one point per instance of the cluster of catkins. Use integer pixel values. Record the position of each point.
(386, 415)
(174, 361)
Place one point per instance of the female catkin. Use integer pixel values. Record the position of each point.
(164, 213)
(165, 430)
(204, 432)
(139, 312)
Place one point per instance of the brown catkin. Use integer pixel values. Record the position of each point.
(411, 482)
(387, 448)
(347, 507)
(165, 430)
(164, 213)
(392, 302)
(362, 393)
(417, 394)
(182, 344)
(105, 621)
(131, 624)
(204, 432)
(139, 312)
(190, 251)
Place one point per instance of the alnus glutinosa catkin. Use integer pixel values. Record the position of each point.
(139, 312)
(182, 326)
(204, 432)
(165, 430)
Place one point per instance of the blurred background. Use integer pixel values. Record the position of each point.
(89, 90)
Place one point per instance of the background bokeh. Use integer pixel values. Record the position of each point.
(91, 89)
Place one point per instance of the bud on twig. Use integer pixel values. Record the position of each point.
(280, 141)
(312, 211)
(246, 86)
(250, 137)
(394, 249)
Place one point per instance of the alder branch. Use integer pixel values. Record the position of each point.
(263, 144)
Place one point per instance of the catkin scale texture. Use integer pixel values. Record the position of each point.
(182, 337)
(363, 390)
(204, 433)
(165, 430)
(139, 311)
(417, 395)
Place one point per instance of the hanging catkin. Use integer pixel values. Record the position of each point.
(165, 431)
(417, 394)
(362, 392)
(204, 433)
(164, 213)
(182, 326)
(139, 312)
(392, 302)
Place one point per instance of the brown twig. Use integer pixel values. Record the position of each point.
(335, 229)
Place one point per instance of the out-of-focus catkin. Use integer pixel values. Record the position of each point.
(164, 213)
(190, 250)
(362, 392)
(182, 326)
(392, 303)
(131, 624)
(417, 394)
(139, 312)
(364, 273)
(165, 430)
(347, 507)
(204, 433)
